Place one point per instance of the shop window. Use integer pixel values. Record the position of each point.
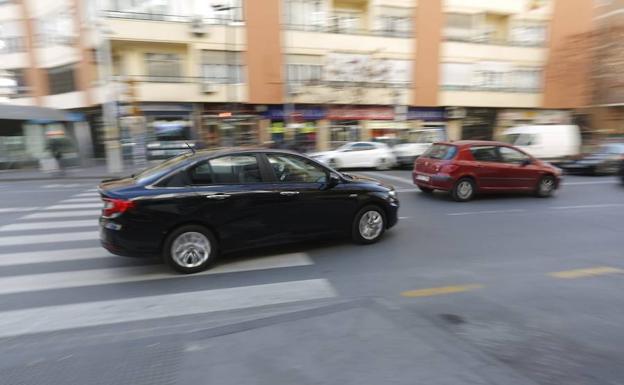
(61, 79)
(164, 67)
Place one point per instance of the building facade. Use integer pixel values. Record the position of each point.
(308, 73)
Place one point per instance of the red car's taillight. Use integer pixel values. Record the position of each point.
(115, 207)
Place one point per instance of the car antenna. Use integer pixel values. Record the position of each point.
(190, 148)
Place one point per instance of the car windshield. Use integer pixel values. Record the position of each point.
(440, 151)
(161, 167)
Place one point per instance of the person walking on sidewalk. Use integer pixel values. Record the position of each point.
(55, 146)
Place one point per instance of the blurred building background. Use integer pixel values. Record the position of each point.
(137, 79)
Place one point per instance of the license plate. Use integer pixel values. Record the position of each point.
(424, 178)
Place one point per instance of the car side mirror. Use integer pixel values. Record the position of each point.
(332, 181)
(526, 162)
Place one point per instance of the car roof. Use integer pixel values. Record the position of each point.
(470, 143)
(203, 154)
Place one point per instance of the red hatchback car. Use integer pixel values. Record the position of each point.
(468, 167)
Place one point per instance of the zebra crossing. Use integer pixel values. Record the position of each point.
(53, 251)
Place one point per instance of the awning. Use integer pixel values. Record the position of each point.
(42, 114)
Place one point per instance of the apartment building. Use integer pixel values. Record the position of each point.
(313, 72)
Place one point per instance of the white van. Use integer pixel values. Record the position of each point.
(549, 142)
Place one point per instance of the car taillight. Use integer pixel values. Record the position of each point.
(115, 207)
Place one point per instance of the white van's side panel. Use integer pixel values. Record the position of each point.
(549, 141)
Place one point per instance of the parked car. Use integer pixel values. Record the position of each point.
(358, 154)
(419, 142)
(191, 207)
(604, 161)
(465, 168)
(554, 143)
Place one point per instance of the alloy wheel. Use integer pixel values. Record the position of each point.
(191, 249)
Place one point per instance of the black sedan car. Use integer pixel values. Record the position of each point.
(604, 161)
(191, 207)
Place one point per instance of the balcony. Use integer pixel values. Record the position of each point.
(335, 29)
(525, 90)
(495, 41)
(158, 16)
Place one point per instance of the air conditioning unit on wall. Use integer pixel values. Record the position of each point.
(208, 88)
(198, 28)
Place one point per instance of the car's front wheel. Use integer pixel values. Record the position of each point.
(190, 249)
(369, 225)
(546, 186)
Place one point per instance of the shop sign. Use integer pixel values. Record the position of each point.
(278, 113)
(426, 114)
(390, 125)
(361, 113)
(536, 116)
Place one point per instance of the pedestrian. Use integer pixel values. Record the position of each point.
(56, 148)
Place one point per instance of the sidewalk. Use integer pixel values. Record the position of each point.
(93, 172)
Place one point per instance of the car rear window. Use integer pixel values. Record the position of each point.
(440, 151)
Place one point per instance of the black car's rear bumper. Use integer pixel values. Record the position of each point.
(126, 242)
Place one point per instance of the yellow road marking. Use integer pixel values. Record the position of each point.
(440, 290)
(589, 272)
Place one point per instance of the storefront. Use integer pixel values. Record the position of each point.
(168, 129)
(298, 131)
(225, 126)
(348, 124)
(478, 123)
(27, 135)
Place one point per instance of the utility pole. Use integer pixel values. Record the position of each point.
(114, 161)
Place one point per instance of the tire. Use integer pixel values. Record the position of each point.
(382, 164)
(199, 253)
(545, 187)
(464, 190)
(426, 190)
(365, 234)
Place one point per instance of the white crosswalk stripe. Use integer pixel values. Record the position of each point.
(17, 209)
(64, 255)
(64, 214)
(60, 225)
(53, 318)
(49, 225)
(74, 206)
(82, 200)
(47, 238)
(70, 279)
(87, 194)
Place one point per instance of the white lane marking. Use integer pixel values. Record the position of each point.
(49, 225)
(391, 177)
(62, 317)
(25, 258)
(596, 206)
(17, 209)
(70, 279)
(88, 194)
(91, 190)
(592, 182)
(64, 214)
(406, 190)
(487, 212)
(82, 200)
(47, 238)
(74, 206)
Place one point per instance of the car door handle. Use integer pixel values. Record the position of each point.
(288, 193)
(218, 196)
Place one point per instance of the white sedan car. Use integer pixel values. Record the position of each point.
(358, 154)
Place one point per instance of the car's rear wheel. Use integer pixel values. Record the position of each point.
(464, 190)
(546, 186)
(190, 249)
(426, 190)
(369, 225)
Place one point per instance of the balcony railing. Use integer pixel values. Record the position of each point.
(525, 90)
(12, 44)
(347, 30)
(156, 16)
(175, 79)
(494, 41)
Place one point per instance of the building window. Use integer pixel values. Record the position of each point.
(394, 25)
(222, 67)
(527, 33)
(459, 26)
(529, 80)
(457, 75)
(490, 76)
(345, 22)
(61, 79)
(165, 67)
(304, 73)
(56, 28)
(304, 14)
(11, 37)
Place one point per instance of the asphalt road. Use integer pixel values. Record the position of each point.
(506, 289)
